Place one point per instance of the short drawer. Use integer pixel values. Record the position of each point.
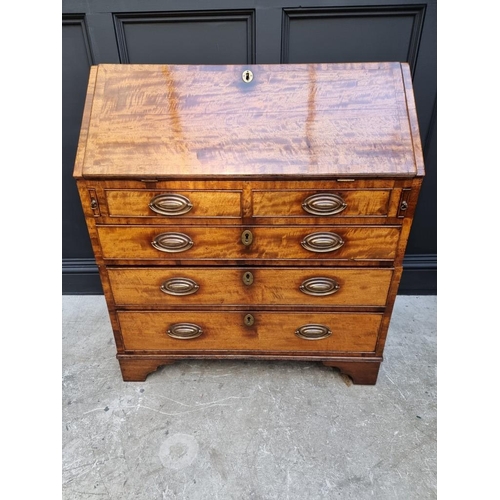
(257, 243)
(245, 286)
(327, 203)
(244, 331)
(176, 204)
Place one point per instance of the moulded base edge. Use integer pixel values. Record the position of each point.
(362, 370)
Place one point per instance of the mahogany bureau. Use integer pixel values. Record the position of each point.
(250, 212)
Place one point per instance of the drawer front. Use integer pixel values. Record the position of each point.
(176, 204)
(261, 243)
(269, 331)
(245, 286)
(337, 204)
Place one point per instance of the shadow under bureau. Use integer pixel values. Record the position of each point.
(250, 212)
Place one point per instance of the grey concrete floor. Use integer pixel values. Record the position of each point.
(248, 429)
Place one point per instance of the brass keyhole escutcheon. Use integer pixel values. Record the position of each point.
(247, 237)
(249, 320)
(247, 278)
(247, 76)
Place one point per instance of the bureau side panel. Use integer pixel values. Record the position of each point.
(411, 198)
(86, 191)
(408, 214)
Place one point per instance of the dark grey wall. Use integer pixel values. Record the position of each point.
(239, 32)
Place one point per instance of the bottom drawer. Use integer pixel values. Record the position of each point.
(240, 331)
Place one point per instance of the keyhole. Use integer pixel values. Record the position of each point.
(247, 237)
(248, 278)
(249, 320)
(247, 76)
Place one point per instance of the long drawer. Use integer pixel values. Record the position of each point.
(244, 286)
(229, 243)
(241, 331)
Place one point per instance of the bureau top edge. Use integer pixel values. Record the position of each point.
(285, 121)
(147, 178)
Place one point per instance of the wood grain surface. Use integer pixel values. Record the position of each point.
(227, 157)
(368, 201)
(224, 243)
(277, 203)
(362, 370)
(271, 331)
(291, 120)
(270, 286)
(216, 203)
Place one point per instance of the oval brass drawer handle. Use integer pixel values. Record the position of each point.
(313, 332)
(324, 204)
(319, 286)
(179, 286)
(184, 331)
(170, 204)
(322, 242)
(172, 242)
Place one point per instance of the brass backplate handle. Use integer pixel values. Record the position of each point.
(322, 242)
(247, 237)
(319, 286)
(324, 204)
(313, 332)
(179, 286)
(172, 242)
(184, 331)
(170, 204)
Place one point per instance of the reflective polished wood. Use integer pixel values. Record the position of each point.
(291, 120)
(250, 220)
